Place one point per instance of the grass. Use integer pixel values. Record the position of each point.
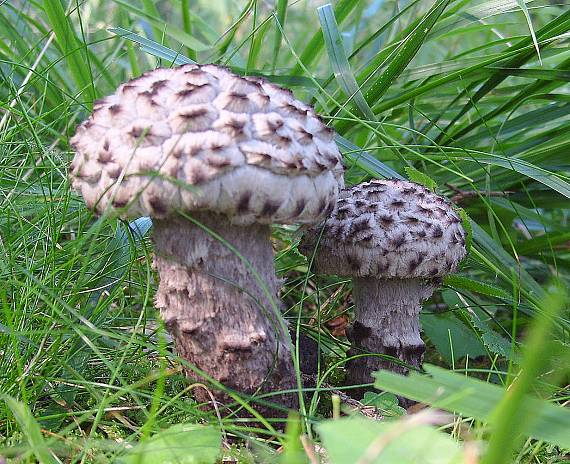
(452, 90)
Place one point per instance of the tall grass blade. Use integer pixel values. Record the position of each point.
(339, 62)
(30, 429)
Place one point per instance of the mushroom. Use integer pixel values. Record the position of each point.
(396, 239)
(214, 159)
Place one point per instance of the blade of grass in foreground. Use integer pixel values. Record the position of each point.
(339, 61)
(30, 429)
(511, 418)
(315, 45)
(517, 413)
(152, 47)
(70, 46)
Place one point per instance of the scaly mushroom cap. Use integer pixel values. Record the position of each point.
(202, 138)
(388, 229)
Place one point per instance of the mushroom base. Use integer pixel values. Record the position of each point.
(222, 320)
(387, 322)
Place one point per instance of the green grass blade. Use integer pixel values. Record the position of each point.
(523, 7)
(187, 24)
(402, 56)
(315, 45)
(364, 160)
(280, 17)
(149, 7)
(511, 418)
(71, 47)
(171, 31)
(474, 398)
(152, 47)
(30, 429)
(339, 62)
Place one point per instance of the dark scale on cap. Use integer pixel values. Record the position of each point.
(194, 113)
(115, 109)
(266, 98)
(243, 203)
(197, 176)
(437, 231)
(305, 137)
(320, 166)
(386, 221)
(453, 219)
(236, 125)
(105, 157)
(414, 263)
(186, 92)
(195, 71)
(217, 146)
(218, 161)
(92, 178)
(99, 103)
(269, 208)
(323, 204)
(343, 212)
(137, 132)
(149, 94)
(114, 172)
(119, 203)
(300, 207)
(157, 85)
(256, 81)
(238, 95)
(360, 224)
(275, 124)
(128, 87)
(157, 206)
(398, 240)
(440, 212)
(360, 203)
(398, 203)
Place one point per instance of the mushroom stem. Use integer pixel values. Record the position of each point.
(222, 320)
(387, 322)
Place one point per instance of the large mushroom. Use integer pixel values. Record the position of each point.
(214, 159)
(396, 239)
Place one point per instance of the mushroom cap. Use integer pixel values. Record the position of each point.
(388, 229)
(202, 138)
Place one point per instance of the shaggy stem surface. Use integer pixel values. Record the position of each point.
(221, 319)
(387, 322)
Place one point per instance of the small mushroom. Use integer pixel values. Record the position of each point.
(183, 146)
(396, 239)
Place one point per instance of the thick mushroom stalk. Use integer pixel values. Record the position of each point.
(395, 239)
(386, 322)
(221, 304)
(237, 154)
